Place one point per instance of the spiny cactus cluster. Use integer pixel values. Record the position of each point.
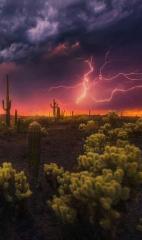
(113, 119)
(107, 176)
(90, 126)
(95, 143)
(14, 186)
(52, 172)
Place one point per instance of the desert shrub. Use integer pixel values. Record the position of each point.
(127, 158)
(133, 129)
(44, 131)
(129, 127)
(113, 119)
(5, 131)
(95, 143)
(14, 187)
(104, 183)
(105, 128)
(90, 127)
(138, 127)
(116, 134)
(82, 127)
(139, 225)
(53, 172)
(107, 177)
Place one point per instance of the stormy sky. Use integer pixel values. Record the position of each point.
(45, 46)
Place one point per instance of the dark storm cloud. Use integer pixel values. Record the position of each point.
(29, 24)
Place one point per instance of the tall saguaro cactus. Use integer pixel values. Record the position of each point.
(16, 117)
(54, 106)
(72, 114)
(58, 112)
(34, 149)
(7, 104)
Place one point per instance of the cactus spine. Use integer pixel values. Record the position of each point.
(7, 104)
(34, 147)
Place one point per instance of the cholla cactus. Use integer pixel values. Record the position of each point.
(7, 104)
(13, 185)
(62, 210)
(52, 173)
(82, 127)
(90, 127)
(95, 143)
(106, 176)
(112, 118)
(34, 149)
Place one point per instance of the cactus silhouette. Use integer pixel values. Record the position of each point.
(72, 113)
(16, 117)
(58, 112)
(7, 104)
(34, 149)
(54, 106)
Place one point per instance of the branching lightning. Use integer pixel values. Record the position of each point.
(86, 82)
(121, 74)
(114, 91)
(64, 87)
(107, 61)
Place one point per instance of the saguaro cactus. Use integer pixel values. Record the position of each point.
(34, 147)
(54, 106)
(7, 104)
(58, 112)
(16, 117)
(72, 114)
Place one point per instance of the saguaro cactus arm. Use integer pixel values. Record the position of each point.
(7, 103)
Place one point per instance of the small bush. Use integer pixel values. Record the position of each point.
(95, 143)
(108, 175)
(14, 187)
(113, 119)
(90, 127)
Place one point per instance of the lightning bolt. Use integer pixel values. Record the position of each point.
(64, 87)
(125, 75)
(86, 82)
(114, 91)
(132, 76)
(107, 61)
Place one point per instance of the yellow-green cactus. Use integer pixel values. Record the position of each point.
(14, 185)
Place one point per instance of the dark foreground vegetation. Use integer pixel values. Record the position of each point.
(74, 178)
